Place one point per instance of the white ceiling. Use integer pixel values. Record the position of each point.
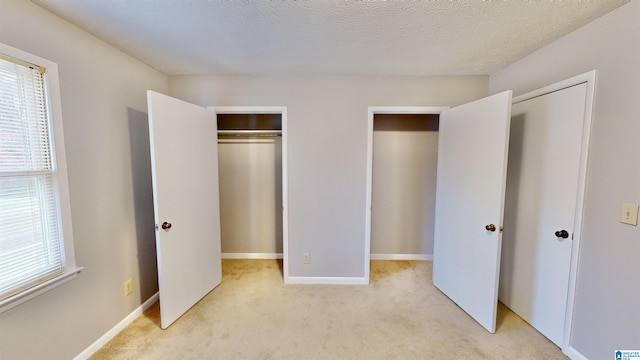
(329, 37)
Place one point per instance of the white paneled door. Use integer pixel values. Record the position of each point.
(542, 189)
(472, 167)
(184, 161)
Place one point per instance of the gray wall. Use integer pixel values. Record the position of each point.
(250, 173)
(105, 126)
(327, 124)
(607, 310)
(403, 189)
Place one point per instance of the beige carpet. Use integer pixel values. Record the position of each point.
(400, 315)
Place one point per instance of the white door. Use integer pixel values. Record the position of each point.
(472, 160)
(542, 190)
(184, 163)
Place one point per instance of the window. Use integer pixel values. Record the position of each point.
(36, 246)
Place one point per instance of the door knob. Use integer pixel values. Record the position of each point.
(562, 234)
(490, 227)
(166, 225)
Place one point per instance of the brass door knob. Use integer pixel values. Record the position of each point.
(166, 225)
(490, 227)
(562, 234)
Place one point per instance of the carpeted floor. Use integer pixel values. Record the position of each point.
(400, 315)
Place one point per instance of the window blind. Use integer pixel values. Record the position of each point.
(31, 248)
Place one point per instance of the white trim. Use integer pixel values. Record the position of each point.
(573, 354)
(285, 167)
(372, 110)
(285, 193)
(590, 79)
(249, 110)
(406, 110)
(421, 257)
(252, 255)
(302, 280)
(578, 79)
(37, 290)
(98, 344)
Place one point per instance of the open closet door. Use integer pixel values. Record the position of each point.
(184, 164)
(472, 167)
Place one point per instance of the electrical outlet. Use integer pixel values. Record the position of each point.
(629, 214)
(306, 258)
(128, 287)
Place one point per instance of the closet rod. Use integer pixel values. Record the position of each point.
(249, 133)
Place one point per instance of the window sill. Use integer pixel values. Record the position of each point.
(37, 290)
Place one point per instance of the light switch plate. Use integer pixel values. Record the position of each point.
(629, 214)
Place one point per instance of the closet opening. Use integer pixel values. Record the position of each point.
(405, 154)
(250, 162)
(402, 155)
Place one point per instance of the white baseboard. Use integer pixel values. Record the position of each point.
(573, 354)
(300, 280)
(252, 255)
(98, 344)
(427, 257)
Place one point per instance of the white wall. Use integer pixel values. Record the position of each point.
(607, 310)
(327, 155)
(105, 123)
(403, 189)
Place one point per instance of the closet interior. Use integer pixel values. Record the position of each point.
(250, 175)
(405, 155)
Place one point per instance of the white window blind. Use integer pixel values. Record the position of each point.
(31, 247)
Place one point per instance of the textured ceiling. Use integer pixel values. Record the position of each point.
(329, 37)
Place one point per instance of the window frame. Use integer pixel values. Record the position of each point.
(60, 178)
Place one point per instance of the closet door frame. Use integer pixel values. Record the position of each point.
(282, 110)
(588, 78)
(394, 110)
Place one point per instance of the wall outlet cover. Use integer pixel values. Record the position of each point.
(128, 287)
(629, 214)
